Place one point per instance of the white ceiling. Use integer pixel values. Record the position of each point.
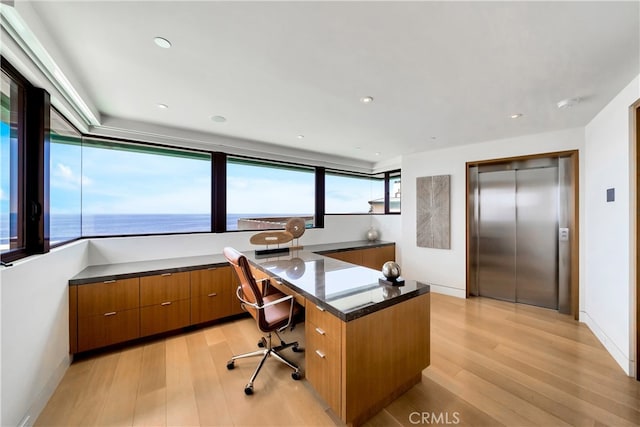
(440, 73)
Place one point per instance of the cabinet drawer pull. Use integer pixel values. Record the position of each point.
(109, 281)
(320, 331)
(166, 274)
(212, 268)
(166, 303)
(213, 294)
(319, 308)
(321, 354)
(111, 313)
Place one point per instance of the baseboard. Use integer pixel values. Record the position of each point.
(40, 401)
(447, 290)
(618, 355)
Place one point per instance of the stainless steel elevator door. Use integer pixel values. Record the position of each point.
(537, 238)
(517, 236)
(496, 271)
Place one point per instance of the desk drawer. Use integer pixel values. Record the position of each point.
(324, 320)
(164, 317)
(323, 365)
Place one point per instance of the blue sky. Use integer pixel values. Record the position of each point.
(104, 181)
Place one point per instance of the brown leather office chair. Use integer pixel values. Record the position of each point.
(272, 310)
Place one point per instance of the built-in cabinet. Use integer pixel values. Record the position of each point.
(369, 257)
(107, 313)
(116, 311)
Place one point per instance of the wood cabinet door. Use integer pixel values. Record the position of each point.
(212, 294)
(352, 256)
(109, 328)
(375, 257)
(164, 288)
(323, 356)
(168, 316)
(108, 296)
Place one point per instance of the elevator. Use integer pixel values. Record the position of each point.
(519, 217)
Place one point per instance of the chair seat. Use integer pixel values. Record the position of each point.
(277, 315)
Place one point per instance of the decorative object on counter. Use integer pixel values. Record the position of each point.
(296, 226)
(269, 238)
(373, 234)
(391, 272)
(432, 212)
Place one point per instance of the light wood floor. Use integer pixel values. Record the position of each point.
(492, 363)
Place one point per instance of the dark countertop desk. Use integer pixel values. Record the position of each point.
(366, 343)
(346, 290)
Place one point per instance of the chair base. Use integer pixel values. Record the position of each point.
(268, 351)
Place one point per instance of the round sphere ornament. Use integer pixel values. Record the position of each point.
(373, 234)
(391, 270)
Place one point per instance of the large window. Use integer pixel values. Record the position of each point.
(346, 193)
(65, 180)
(395, 192)
(264, 195)
(12, 231)
(138, 189)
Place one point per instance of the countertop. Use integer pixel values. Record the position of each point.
(126, 270)
(346, 290)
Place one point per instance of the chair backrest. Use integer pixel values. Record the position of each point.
(250, 290)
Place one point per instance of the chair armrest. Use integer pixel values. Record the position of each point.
(263, 306)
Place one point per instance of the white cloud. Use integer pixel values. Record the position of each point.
(3, 196)
(67, 178)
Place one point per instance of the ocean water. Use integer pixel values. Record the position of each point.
(64, 227)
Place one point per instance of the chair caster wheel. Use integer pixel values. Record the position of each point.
(297, 349)
(230, 365)
(248, 390)
(296, 375)
(262, 343)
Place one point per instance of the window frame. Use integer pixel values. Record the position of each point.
(64, 242)
(318, 211)
(371, 176)
(23, 87)
(33, 129)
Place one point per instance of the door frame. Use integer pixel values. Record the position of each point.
(634, 134)
(574, 222)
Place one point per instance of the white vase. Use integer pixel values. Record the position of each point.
(372, 234)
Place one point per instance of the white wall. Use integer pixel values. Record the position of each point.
(35, 329)
(446, 269)
(338, 228)
(609, 272)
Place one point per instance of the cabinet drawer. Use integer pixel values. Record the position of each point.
(164, 317)
(212, 280)
(323, 320)
(164, 288)
(209, 307)
(108, 296)
(108, 328)
(323, 365)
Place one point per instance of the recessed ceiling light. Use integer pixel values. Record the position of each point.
(516, 116)
(300, 136)
(163, 106)
(366, 99)
(377, 153)
(162, 42)
(219, 119)
(568, 103)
